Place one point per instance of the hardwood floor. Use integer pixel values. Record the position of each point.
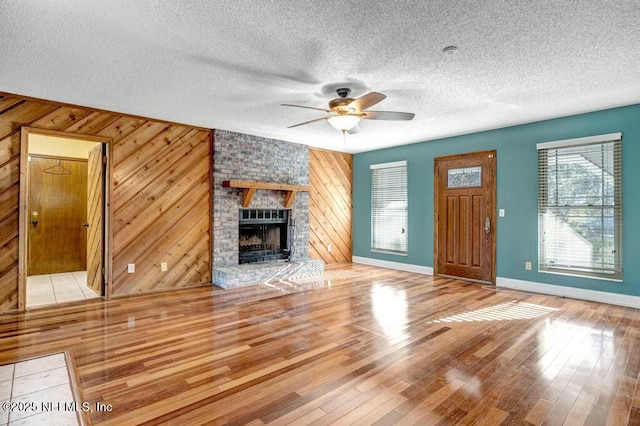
(369, 346)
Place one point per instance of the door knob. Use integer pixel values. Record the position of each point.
(487, 225)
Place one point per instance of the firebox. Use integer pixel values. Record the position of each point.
(263, 235)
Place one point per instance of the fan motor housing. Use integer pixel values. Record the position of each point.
(339, 102)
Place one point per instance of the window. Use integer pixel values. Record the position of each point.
(389, 207)
(464, 178)
(580, 206)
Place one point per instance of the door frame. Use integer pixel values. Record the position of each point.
(23, 215)
(494, 227)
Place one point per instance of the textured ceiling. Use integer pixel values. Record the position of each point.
(230, 64)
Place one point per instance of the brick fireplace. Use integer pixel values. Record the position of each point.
(240, 156)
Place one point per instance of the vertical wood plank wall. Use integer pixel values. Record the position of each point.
(160, 187)
(330, 205)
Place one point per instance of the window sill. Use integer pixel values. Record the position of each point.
(569, 274)
(397, 253)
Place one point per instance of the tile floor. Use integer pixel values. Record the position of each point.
(27, 387)
(57, 288)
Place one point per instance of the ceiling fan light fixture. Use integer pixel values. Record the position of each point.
(346, 113)
(343, 122)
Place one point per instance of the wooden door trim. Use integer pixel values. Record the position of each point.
(23, 213)
(436, 209)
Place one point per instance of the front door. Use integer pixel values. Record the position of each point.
(465, 206)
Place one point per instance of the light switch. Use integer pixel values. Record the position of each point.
(163, 267)
(131, 268)
(501, 212)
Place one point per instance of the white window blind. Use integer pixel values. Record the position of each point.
(389, 207)
(580, 206)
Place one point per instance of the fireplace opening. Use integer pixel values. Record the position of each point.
(263, 235)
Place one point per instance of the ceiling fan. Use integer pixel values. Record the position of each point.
(347, 112)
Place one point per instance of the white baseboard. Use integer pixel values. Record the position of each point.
(427, 270)
(530, 286)
(575, 293)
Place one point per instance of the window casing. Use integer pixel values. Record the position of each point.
(580, 206)
(389, 207)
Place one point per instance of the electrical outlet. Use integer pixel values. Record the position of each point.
(163, 267)
(527, 266)
(329, 248)
(131, 268)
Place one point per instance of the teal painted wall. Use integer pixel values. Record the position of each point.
(517, 192)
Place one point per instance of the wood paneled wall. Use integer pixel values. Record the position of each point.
(160, 194)
(330, 205)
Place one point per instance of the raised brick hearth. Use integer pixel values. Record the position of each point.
(268, 273)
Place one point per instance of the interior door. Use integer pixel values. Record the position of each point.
(465, 205)
(57, 211)
(95, 223)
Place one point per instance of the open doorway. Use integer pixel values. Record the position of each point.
(62, 202)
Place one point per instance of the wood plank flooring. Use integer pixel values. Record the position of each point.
(368, 346)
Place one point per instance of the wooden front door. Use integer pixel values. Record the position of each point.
(465, 206)
(95, 223)
(57, 239)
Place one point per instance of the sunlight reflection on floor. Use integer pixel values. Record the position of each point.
(504, 311)
(389, 306)
(567, 345)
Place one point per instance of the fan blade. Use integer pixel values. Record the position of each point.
(308, 122)
(307, 107)
(355, 129)
(388, 115)
(366, 101)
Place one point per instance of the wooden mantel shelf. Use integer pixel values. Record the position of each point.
(249, 187)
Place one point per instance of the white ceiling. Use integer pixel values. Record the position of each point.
(230, 64)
